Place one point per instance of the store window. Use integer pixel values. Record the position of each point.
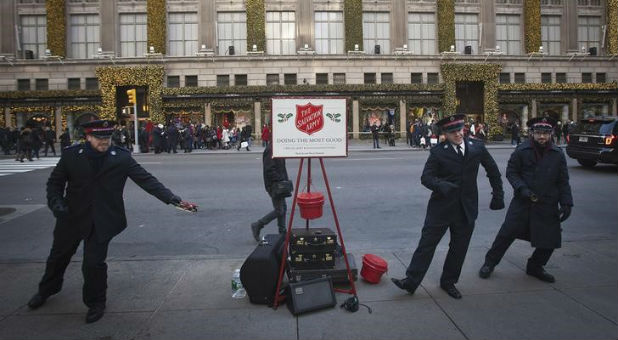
(34, 35)
(182, 34)
(232, 33)
(133, 35)
(508, 34)
(329, 33)
(550, 34)
(280, 33)
(376, 32)
(85, 35)
(466, 32)
(422, 33)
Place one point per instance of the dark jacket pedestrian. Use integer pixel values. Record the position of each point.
(244, 138)
(24, 145)
(49, 140)
(515, 138)
(172, 138)
(542, 200)
(375, 134)
(274, 171)
(65, 140)
(84, 191)
(451, 174)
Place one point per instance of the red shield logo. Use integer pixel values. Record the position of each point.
(309, 118)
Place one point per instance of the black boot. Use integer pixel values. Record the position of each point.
(37, 300)
(255, 229)
(95, 313)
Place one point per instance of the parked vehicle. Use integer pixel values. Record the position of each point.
(594, 140)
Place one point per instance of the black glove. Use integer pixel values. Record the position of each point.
(497, 202)
(447, 187)
(565, 212)
(59, 209)
(528, 194)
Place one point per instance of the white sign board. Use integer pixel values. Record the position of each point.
(309, 127)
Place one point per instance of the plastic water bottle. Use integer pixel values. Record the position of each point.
(238, 292)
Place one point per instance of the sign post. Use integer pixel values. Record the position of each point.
(310, 128)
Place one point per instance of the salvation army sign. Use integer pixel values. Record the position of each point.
(309, 127)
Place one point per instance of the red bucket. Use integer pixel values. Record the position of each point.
(373, 268)
(310, 204)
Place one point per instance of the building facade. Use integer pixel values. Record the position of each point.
(497, 61)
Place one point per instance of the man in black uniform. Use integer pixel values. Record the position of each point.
(538, 173)
(450, 173)
(92, 210)
(274, 171)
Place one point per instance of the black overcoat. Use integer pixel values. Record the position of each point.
(95, 199)
(273, 168)
(445, 165)
(549, 179)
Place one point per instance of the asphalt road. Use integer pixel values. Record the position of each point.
(378, 196)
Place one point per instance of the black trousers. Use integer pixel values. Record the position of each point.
(94, 268)
(539, 257)
(50, 145)
(278, 212)
(458, 247)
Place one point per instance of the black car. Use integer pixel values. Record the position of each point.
(594, 140)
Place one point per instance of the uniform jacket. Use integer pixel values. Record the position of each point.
(95, 199)
(274, 169)
(445, 165)
(549, 179)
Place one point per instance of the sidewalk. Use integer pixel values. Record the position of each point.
(190, 298)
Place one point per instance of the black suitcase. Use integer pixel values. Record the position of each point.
(338, 274)
(308, 296)
(312, 260)
(260, 271)
(312, 240)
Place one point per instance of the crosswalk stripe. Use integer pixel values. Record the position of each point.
(10, 167)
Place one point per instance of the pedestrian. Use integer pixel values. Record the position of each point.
(275, 173)
(538, 172)
(4, 140)
(24, 145)
(558, 132)
(91, 210)
(249, 129)
(265, 135)
(451, 173)
(375, 134)
(36, 141)
(244, 139)
(49, 138)
(65, 140)
(515, 139)
(172, 135)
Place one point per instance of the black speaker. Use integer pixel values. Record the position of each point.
(307, 296)
(592, 51)
(376, 49)
(231, 50)
(29, 54)
(468, 50)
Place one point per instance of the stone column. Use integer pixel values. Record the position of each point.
(403, 113)
(208, 26)
(305, 26)
(19, 119)
(7, 29)
(355, 119)
(570, 31)
(399, 27)
(58, 121)
(257, 112)
(109, 26)
(8, 122)
(208, 115)
(614, 107)
(488, 26)
(605, 110)
(574, 114)
(524, 117)
(70, 124)
(534, 109)
(565, 113)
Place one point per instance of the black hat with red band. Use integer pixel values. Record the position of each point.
(99, 128)
(451, 123)
(541, 124)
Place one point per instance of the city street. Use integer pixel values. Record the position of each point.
(170, 271)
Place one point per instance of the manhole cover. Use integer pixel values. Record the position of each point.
(6, 211)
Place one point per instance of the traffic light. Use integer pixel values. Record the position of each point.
(132, 96)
